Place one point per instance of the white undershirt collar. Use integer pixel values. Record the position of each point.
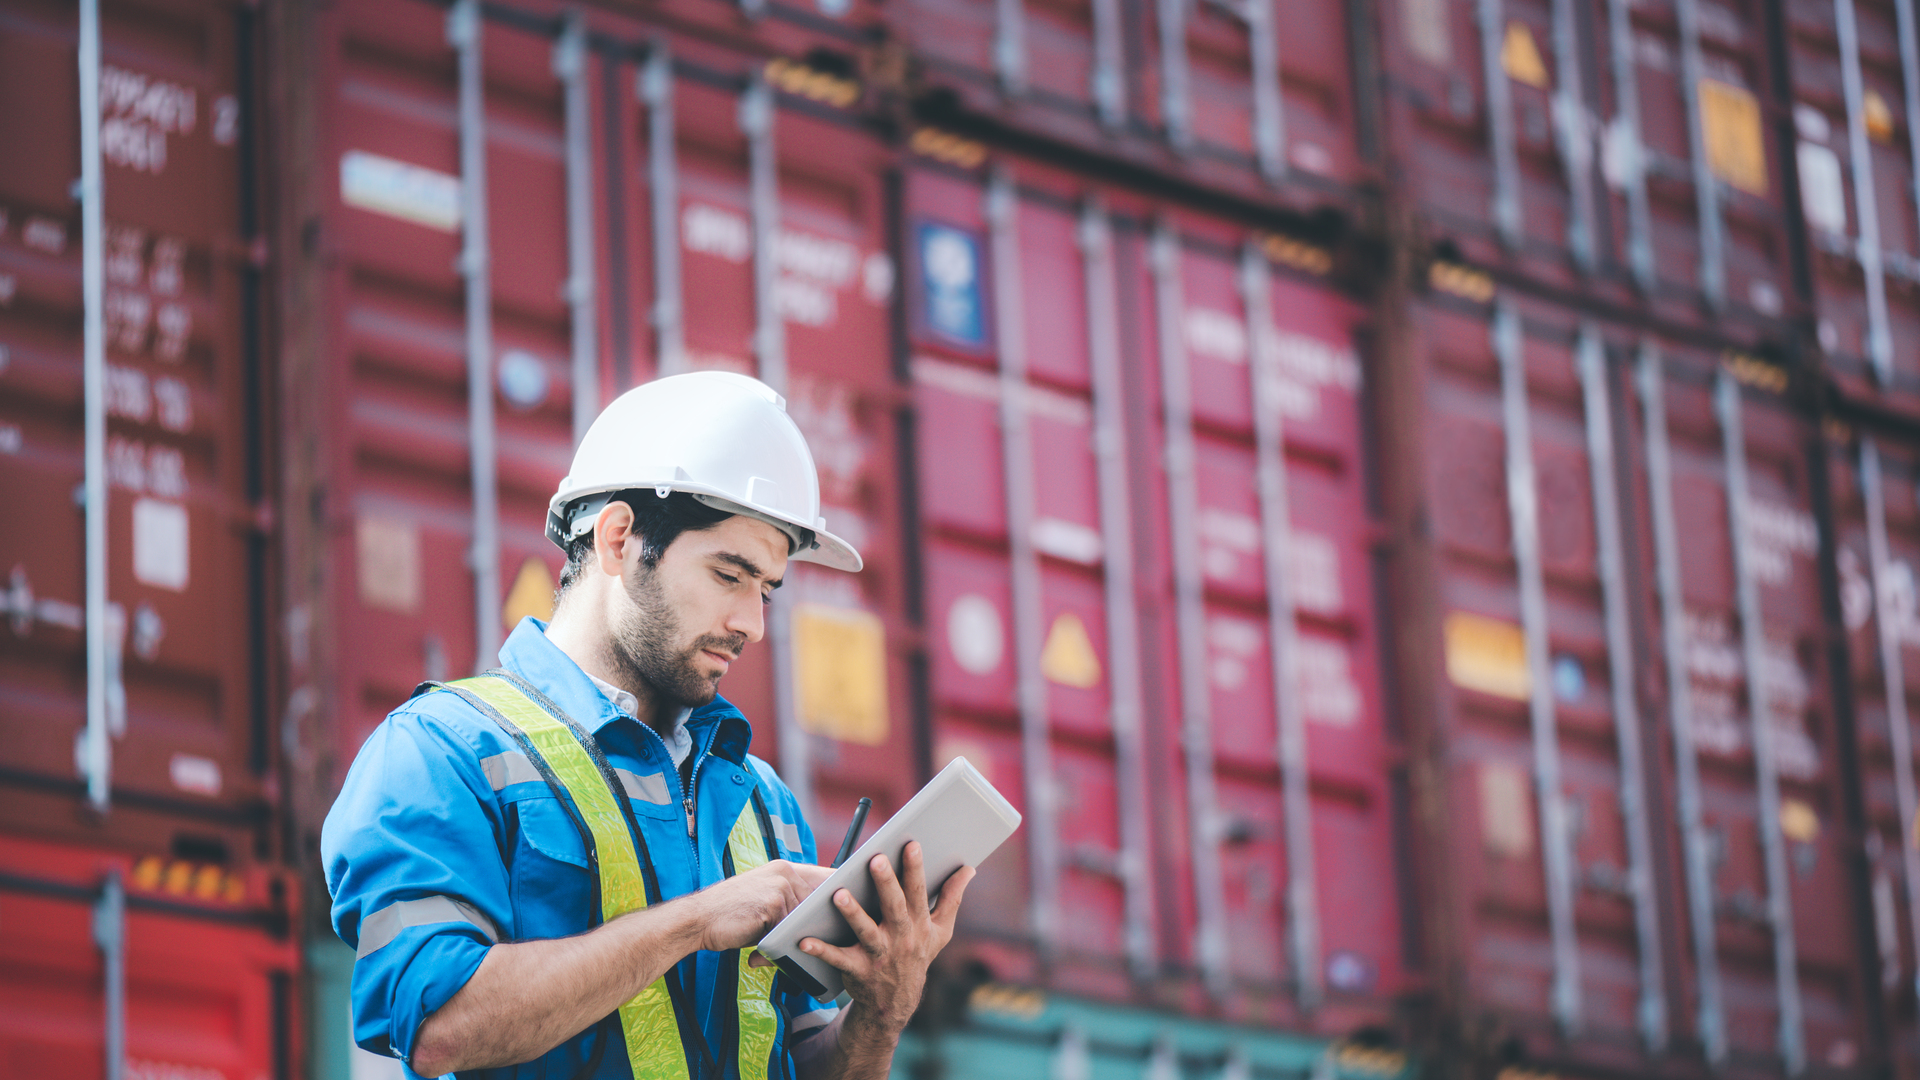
(679, 740)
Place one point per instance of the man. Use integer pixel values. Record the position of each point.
(560, 868)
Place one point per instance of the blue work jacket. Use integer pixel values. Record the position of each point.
(445, 840)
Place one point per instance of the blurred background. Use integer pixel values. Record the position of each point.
(1416, 500)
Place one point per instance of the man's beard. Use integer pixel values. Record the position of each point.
(643, 647)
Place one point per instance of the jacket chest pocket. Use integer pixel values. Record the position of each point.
(548, 877)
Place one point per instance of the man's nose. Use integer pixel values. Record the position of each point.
(748, 617)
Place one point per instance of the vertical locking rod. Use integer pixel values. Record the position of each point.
(1010, 46)
(1711, 1021)
(1029, 614)
(1616, 594)
(1108, 84)
(663, 180)
(570, 66)
(1786, 971)
(1899, 734)
(1176, 101)
(1524, 510)
(1269, 105)
(1706, 187)
(1866, 204)
(1268, 371)
(1499, 106)
(1125, 705)
(1626, 88)
(96, 740)
(1575, 136)
(464, 34)
(1190, 617)
(110, 936)
(1909, 36)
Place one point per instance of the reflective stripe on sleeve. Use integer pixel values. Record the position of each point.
(379, 929)
(649, 788)
(512, 767)
(788, 834)
(813, 1018)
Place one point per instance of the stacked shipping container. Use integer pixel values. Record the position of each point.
(146, 924)
(1449, 625)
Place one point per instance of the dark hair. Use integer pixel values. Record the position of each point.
(657, 522)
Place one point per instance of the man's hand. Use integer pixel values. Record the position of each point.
(886, 969)
(739, 911)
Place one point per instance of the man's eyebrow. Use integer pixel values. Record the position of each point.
(751, 568)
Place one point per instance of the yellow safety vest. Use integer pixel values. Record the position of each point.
(568, 757)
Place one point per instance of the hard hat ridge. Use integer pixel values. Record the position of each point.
(724, 438)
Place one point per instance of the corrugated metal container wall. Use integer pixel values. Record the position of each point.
(182, 669)
(1085, 366)
(1854, 105)
(751, 223)
(1876, 485)
(177, 969)
(1627, 558)
(1627, 151)
(1257, 98)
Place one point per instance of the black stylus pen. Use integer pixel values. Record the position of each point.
(853, 831)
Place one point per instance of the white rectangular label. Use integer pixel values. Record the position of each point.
(160, 543)
(395, 188)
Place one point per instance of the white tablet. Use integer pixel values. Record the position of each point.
(959, 820)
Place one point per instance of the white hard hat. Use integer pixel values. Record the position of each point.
(723, 438)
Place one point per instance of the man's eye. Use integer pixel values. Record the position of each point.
(728, 578)
(766, 599)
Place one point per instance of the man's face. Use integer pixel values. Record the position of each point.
(687, 618)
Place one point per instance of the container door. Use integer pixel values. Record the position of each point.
(184, 546)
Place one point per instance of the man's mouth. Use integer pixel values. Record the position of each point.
(725, 659)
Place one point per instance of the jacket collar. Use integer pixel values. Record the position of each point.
(717, 726)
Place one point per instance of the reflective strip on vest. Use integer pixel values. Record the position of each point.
(654, 1047)
(759, 1025)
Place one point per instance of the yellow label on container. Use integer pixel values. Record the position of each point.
(1798, 821)
(1879, 117)
(532, 594)
(840, 673)
(1520, 57)
(1068, 656)
(1730, 126)
(1487, 655)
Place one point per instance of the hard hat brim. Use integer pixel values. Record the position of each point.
(830, 550)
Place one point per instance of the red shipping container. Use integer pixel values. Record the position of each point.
(1853, 105)
(186, 644)
(1628, 152)
(1625, 558)
(1877, 521)
(751, 223)
(1259, 99)
(187, 968)
(1085, 370)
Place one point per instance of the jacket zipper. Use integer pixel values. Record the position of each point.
(687, 787)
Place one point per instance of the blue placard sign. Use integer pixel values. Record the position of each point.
(950, 277)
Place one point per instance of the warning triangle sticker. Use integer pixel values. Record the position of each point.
(1068, 657)
(532, 594)
(1521, 57)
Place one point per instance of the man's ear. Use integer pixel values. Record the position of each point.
(612, 532)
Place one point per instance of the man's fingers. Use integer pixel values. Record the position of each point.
(893, 902)
(913, 875)
(948, 908)
(759, 960)
(850, 960)
(863, 925)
